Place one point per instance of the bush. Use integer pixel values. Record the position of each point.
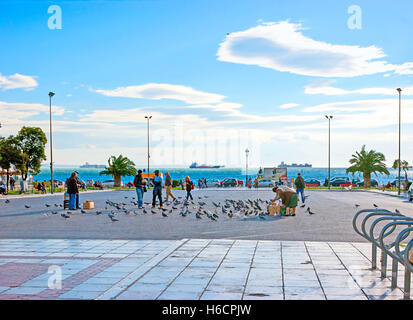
(175, 183)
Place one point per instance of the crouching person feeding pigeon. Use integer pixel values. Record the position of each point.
(289, 200)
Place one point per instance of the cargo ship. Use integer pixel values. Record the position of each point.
(195, 165)
(96, 166)
(294, 165)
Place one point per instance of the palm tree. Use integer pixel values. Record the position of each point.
(119, 167)
(404, 166)
(367, 162)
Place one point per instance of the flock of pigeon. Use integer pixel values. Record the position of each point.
(241, 209)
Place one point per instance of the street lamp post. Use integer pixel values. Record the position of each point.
(51, 94)
(246, 166)
(148, 118)
(400, 111)
(329, 144)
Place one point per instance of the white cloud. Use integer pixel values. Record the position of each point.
(282, 46)
(289, 105)
(157, 91)
(17, 81)
(13, 110)
(324, 88)
(358, 114)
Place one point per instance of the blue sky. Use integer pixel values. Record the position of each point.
(217, 77)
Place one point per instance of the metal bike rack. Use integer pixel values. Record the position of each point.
(404, 255)
(398, 255)
(386, 248)
(370, 213)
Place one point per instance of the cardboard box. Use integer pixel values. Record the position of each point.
(272, 209)
(88, 205)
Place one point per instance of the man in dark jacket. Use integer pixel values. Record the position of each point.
(72, 190)
(139, 183)
(300, 185)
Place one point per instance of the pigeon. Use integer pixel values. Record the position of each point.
(98, 212)
(144, 211)
(164, 215)
(302, 206)
(82, 211)
(27, 206)
(153, 212)
(375, 205)
(47, 205)
(357, 205)
(54, 212)
(113, 218)
(309, 211)
(397, 210)
(56, 205)
(64, 215)
(7, 201)
(198, 216)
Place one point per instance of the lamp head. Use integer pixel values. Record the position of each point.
(51, 94)
(399, 89)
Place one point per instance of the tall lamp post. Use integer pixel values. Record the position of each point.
(246, 166)
(400, 111)
(329, 144)
(51, 94)
(148, 118)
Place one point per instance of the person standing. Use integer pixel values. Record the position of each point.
(78, 182)
(188, 187)
(139, 183)
(12, 182)
(300, 185)
(72, 190)
(157, 189)
(168, 186)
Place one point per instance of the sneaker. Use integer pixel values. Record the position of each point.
(153, 207)
(160, 207)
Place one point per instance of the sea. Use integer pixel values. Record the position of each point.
(62, 173)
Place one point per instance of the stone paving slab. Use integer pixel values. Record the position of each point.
(190, 269)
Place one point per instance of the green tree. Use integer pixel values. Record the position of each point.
(9, 156)
(31, 142)
(367, 162)
(119, 167)
(404, 165)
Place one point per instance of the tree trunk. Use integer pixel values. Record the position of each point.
(7, 180)
(118, 180)
(367, 180)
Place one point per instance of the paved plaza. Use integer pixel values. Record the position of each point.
(334, 212)
(190, 269)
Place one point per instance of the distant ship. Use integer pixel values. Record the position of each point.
(195, 165)
(294, 165)
(96, 166)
